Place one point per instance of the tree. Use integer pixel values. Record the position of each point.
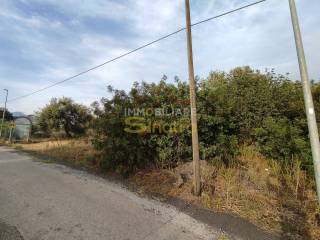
(8, 115)
(64, 115)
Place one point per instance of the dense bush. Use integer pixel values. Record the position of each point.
(239, 107)
(123, 147)
(283, 140)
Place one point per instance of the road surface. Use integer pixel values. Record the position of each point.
(50, 201)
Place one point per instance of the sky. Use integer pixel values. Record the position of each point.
(45, 41)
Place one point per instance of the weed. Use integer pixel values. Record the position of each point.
(223, 237)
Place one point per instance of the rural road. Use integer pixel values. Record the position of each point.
(51, 201)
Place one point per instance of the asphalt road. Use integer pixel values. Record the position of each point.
(51, 201)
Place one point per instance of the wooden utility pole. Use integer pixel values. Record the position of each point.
(194, 125)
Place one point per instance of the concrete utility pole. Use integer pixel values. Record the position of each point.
(311, 117)
(4, 112)
(194, 125)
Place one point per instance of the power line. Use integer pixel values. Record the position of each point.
(135, 50)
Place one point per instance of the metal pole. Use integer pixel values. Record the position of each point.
(311, 117)
(194, 125)
(4, 111)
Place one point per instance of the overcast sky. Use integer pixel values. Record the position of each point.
(44, 41)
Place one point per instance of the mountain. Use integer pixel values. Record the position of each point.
(18, 114)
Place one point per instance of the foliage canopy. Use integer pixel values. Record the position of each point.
(63, 115)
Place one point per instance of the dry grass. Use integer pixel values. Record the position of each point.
(279, 200)
(148, 181)
(76, 151)
(223, 237)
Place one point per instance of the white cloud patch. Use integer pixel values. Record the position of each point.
(50, 40)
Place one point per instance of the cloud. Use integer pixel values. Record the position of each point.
(44, 41)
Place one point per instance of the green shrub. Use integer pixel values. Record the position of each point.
(283, 140)
(240, 107)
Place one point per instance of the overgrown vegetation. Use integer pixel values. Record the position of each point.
(235, 108)
(128, 151)
(279, 198)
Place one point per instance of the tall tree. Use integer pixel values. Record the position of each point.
(64, 114)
